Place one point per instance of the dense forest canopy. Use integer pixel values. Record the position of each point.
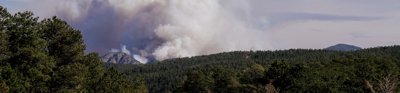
(48, 56)
(295, 70)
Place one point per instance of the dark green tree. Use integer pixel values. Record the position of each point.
(29, 54)
(198, 82)
(4, 22)
(48, 56)
(120, 83)
(225, 80)
(65, 44)
(254, 75)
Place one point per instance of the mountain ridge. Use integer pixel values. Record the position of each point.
(119, 58)
(343, 47)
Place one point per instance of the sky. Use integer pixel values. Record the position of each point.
(179, 28)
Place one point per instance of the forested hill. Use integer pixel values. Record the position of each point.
(295, 70)
(343, 47)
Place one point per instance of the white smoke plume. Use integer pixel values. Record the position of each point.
(194, 27)
(140, 59)
(162, 29)
(124, 50)
(171, 28)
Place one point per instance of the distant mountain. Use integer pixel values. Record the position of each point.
(119, 58)
(343, 47)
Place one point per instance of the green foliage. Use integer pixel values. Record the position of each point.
(65, 43)
(253, 75)
(48, 56)
(198, 82)
(117, 82)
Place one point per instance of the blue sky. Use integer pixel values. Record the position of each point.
(287, 23)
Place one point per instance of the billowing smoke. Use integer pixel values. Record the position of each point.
(163, 29)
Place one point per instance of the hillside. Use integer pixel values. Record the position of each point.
(328, 70)
(119, 58)
(343, 47)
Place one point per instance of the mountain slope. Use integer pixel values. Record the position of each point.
(343, 47)
(119, 58)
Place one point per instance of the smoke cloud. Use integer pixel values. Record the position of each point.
(163, 29)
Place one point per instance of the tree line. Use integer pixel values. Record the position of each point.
(373, 70)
